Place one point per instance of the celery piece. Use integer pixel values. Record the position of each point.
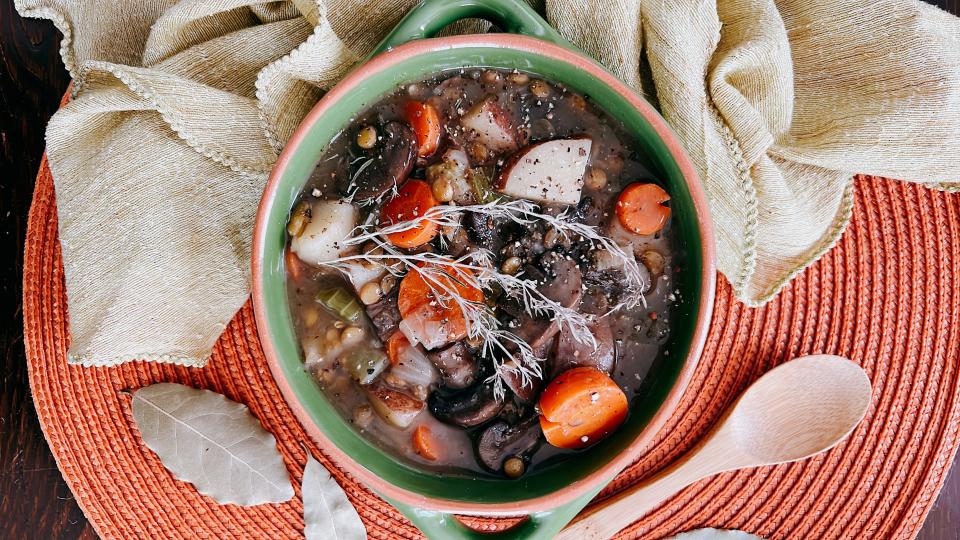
(481, 182)
(341, 303)
(365, 365)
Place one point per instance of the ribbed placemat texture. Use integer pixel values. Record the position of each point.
(886, 296)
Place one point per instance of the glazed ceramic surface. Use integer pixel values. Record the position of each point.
(551, 495)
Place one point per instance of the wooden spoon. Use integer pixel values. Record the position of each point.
(796, 410)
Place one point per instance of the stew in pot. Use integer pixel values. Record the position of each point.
(481, 271)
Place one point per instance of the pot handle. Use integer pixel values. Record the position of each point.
(428, 17)
(538, 526)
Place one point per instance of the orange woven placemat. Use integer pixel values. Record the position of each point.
(887, 296)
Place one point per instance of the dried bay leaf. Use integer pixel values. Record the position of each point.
(327, 513)
(214, 443)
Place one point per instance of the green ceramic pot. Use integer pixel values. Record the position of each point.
(550, 496)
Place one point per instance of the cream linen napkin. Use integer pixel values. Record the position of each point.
(180, 107)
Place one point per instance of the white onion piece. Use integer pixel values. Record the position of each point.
(413, 367)
(331, 223)
(397, 408)
(419, 328)
(359, 275)
(312, 357)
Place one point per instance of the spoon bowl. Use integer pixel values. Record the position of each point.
(801, 408)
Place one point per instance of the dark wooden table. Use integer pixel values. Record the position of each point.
(34, 500)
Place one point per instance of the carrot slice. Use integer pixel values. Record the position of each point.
(425, 121)
(423, 443)
(428, 314)
(640, 208)
(414, 199)
(580, 407)
(415, 291)
(395, 345)
(295, 267)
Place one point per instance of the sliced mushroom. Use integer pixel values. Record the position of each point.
(390, 167)
(570, 353)
(395, 407)
(467, 408)
(451, 94)
(528, 391)
(500, 441)
(563, 285)
(456, 365)
(483, 230)
(457, 239)
(595, 301)
(603, 274)
(564, 282)
(539, 333)
(458, 242)
(385, 315)
(588, 211)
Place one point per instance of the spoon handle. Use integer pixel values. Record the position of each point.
(619, 511)
(613, 514)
